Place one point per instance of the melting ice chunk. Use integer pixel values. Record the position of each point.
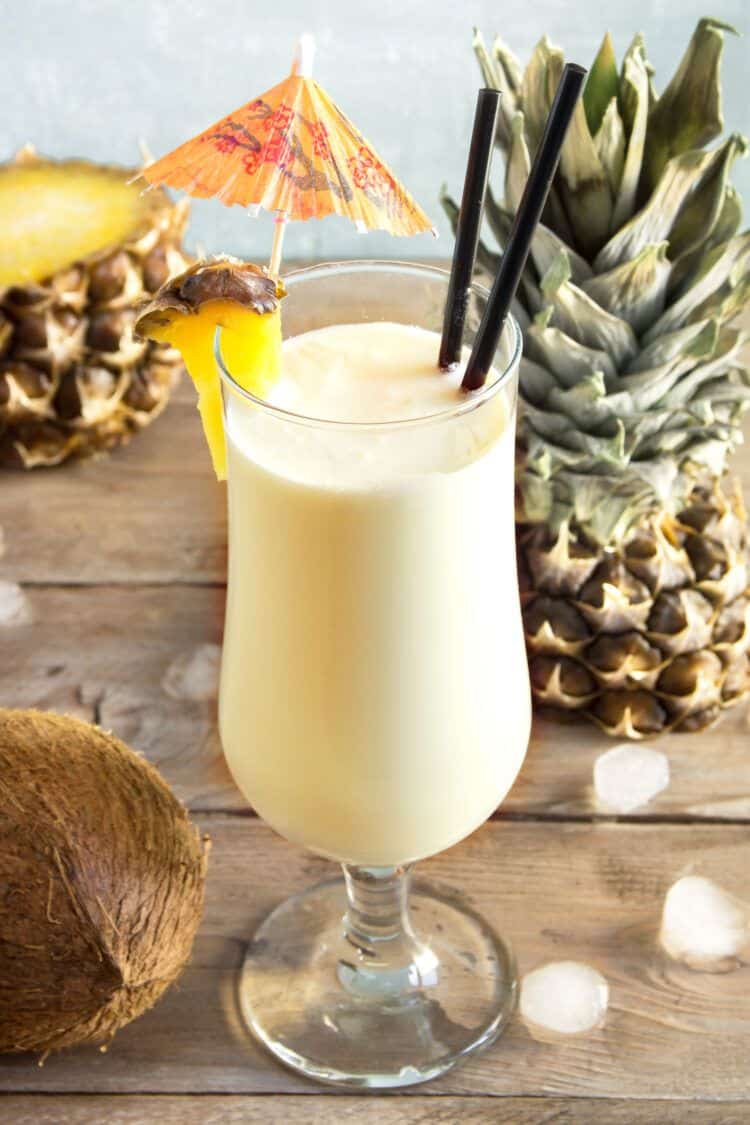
(194, 674)
(564, 996)
(703, 925)
(14, 605)
(628, 776)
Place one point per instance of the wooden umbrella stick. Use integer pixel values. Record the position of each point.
(274, 263)
(302, 65)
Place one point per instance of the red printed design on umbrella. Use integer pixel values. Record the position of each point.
(226, 143)
(277, 150)
(369, 174)
(292, 150)
(319, 135)
(251, 161)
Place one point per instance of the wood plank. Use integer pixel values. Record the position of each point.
(591, 892)
(151, 512)
(102, 653)
(291, 1109)
(709, 771)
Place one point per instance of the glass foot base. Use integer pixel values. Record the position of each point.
(391, 1012)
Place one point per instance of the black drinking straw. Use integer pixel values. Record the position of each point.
(527, 216)
(469, 223)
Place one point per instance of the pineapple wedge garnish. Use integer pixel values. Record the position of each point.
(242, 299)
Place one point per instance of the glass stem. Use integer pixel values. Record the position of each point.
(377, 906)
(385, 959)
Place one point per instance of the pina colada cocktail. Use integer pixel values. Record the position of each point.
(374, 701)
(374, 697)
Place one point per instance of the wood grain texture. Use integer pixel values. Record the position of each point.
(151, 512)
(591, 892)
(709, 771)
(102, 653)
(322, 1109)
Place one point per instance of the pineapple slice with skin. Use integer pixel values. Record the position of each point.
(243, 300)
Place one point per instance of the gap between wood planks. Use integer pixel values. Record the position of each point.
(152, 584)
(367, 1109)
(500, 814)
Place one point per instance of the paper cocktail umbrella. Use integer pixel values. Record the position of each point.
(293, 151)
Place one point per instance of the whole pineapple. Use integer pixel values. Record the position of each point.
(632, 544)
(80, 247)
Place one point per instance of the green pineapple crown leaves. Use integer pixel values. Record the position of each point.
(632, 381)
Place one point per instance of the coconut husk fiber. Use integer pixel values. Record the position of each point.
(101, 883)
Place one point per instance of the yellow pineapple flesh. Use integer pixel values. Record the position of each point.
(55, 214)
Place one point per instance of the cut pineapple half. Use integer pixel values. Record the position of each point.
(54, 214)
(79, 250)
(243, 300)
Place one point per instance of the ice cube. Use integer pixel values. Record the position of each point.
(703, 925)
(14, 605)
(628, 776)
(194, 674)
(564, 996)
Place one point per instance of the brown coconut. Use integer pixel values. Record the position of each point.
(101, 883)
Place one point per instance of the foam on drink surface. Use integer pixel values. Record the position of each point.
(378, 372)
(365, 374)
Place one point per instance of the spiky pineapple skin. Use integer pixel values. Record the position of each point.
(632, 543)
(73, 380)
(651, 635)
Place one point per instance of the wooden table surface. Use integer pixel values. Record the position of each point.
(122, 562)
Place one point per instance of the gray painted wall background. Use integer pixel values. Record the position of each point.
(91, 77)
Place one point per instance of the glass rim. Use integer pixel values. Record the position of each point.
(472, 401)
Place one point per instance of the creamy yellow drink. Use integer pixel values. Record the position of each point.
(374, 698)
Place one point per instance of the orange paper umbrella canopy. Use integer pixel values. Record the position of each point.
(292, 150)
